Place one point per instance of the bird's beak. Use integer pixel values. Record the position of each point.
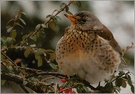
(70, 17)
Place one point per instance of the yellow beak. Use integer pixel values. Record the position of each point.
(70, 17)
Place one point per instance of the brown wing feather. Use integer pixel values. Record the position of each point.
(106, 34)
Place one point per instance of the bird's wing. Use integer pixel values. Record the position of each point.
(106, 34)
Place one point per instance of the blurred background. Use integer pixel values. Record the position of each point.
(118, 16)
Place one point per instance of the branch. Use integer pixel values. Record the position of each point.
(38, 30)
(62, 9)
(128, 48)
(119, 77)
(36, 86)
(48, 73)
(7, 57)
(13, 64)
(15, 21)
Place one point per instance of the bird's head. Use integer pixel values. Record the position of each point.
(85, 20)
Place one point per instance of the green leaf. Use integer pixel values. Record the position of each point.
(37, 56)
(25, 82)
(9, 29)
(10, 68)
(117, 88)
(48, 16)
(69, 12)
(22, 21)
(58, 18)
(38, 51)
(55, 20)
(9, 40)
(124, 83)
(26, 53)
(13, 34)
(24, 37)
(132, 88)
(126, 76)
(67, 9)
(3, 82)
(78, 3)
(86, 89)
(54, 11)
(47, 25)
(3, 40)
(43, 25)
(16, 16)
(129, 80)
(42, 34)
(24, 13)
(10, 21)
(34, 38)
(53, 66)
(63, 5)
(43, 51)
(121, 72)
(19, 25)
(37, 34)
(35, 51)
(52, 25)
(22, 65)
(109, 87)
(37, 27)
(33, 45)
(40, 61)
(118, 82)
(79, 89)
(65, 84)
(8, 26)
(52, 57)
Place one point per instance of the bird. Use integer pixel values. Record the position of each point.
(88, 49)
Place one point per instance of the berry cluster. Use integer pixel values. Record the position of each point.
(69, 90)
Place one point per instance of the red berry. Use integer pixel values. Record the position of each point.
(66, 91)
(70, 90)
(63, 80)
(61, 89)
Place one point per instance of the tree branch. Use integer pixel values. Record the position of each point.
(36, 86)
(15, 21)
(38, 30)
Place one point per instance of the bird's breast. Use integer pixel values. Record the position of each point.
(85, 54)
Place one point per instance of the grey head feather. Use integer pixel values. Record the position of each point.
(91, 21)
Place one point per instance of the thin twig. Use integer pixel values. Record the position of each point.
(119, 77)
(128, 48)
(48, 73)
(40, 72)
(62, 9)
(15, 21)
(8, 58)
(36, 86)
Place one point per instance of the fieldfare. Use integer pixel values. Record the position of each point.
(88, 49)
